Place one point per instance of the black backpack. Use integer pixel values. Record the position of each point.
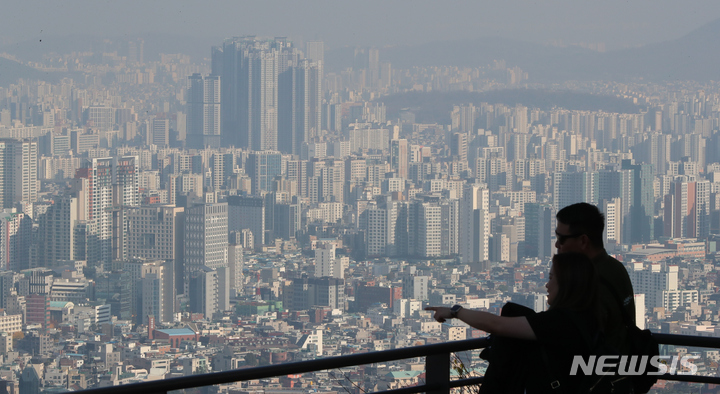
(591, 383)
(640, 343)
(514, 368)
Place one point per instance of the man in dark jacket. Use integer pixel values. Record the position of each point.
(580, 229)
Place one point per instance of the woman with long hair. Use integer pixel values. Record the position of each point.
(524, 340)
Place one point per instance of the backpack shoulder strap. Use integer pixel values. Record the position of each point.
(626, 318)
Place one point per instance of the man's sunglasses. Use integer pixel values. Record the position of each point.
(564, 237)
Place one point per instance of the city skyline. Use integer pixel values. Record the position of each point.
(276, 200)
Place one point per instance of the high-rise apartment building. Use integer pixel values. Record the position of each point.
(263, 99)
(539, 230)
(326, 263)
(136, 51)
(7, 287)
(15, 240)
(449, 227)
(687, 209)
(373, 69)
(271, 96)
(263, 167)
(288, 221)
(248, 213)
(299, 105)
(100, 118)
(616, 186)
(56, 228)
(221, 167)
(613, 211)
(125, 180)
(157, 289)
(112, 189)
(235, 264)
(642, 226)
(330, 177)
(203, 122)
(156, 232)
(463, 118)
(204, 291)
(459, 146)
(362, 136)
(659, 283)
(415, 287)
(206, 236)
(474, 231)
(574, 187)
(315, 51)
(296, 176)
(399, 157)
(159, 132)
(184, 184)
(304, 293)
(18, 175)
(206, 256)
(424, 230)
(383, 237)
(133, 271)
(79, 101)
(249, 74)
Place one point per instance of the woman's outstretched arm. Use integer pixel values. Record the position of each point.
(513, 327)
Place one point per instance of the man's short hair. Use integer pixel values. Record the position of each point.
(584, 218)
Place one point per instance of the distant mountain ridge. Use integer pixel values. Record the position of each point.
(695, 56)
(196, 47)
(11, 71)
(435, 107)
(33, 50)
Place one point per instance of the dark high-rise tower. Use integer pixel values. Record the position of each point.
(613, 185)
(249, 92)
(300, 105)
(18, 171)
(642, 205)
(315, 51)
(263, 167)
(539, 225)
(270, 95)
(204, 111)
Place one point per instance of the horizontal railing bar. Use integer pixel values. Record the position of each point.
(479, 380)
(427, 387)
(687, 340)
(466, 382)
(407, 390)
(691, 378)
(268, 371)
(215, 378)
(411, 389)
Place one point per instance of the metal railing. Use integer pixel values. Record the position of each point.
(437, 368)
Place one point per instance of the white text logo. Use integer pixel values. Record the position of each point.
(634, 365)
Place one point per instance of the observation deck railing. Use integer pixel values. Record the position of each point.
(437, 368)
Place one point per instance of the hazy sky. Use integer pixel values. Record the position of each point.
(371, 22)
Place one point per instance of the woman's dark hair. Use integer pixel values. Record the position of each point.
(577, 284)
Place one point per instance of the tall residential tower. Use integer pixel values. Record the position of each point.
(203, 107)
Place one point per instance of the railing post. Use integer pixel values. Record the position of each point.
(437, 373)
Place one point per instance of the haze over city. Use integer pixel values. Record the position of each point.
(189, 188)
(617, 24)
